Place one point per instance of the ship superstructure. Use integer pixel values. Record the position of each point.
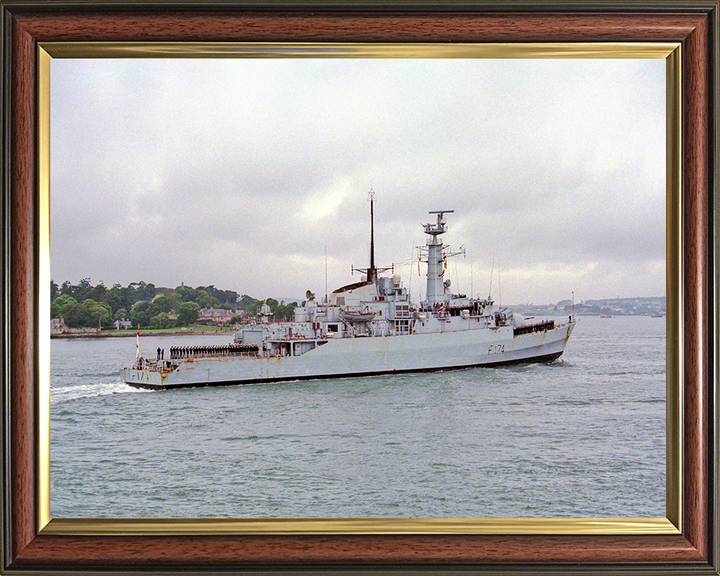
(367, 327)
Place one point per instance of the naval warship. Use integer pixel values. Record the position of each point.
(366, 328)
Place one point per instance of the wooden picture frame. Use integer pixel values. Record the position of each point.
(29, 545)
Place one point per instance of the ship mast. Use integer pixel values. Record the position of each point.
(436, 256)
(435, 291)
(372, 271)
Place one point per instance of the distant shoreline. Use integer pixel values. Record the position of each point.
(124, 334)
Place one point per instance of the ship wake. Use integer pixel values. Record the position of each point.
(82, 391)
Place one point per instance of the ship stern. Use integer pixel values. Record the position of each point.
(142, 378)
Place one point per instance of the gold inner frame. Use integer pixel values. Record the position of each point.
(670, 51)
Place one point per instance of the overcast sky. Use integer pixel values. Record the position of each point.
(241, 173)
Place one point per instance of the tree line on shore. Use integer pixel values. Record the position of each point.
(145, 305)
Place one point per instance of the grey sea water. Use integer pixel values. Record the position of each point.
(581, 437)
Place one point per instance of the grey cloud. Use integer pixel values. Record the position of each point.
(230, 167)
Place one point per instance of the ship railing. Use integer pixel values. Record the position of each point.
(531, 328)
(154, 365)
(210, 355)
(181, 352)
(146, 364)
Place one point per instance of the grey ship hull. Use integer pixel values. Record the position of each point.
(352, 357)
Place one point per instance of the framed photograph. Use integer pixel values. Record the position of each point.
(394, 81)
